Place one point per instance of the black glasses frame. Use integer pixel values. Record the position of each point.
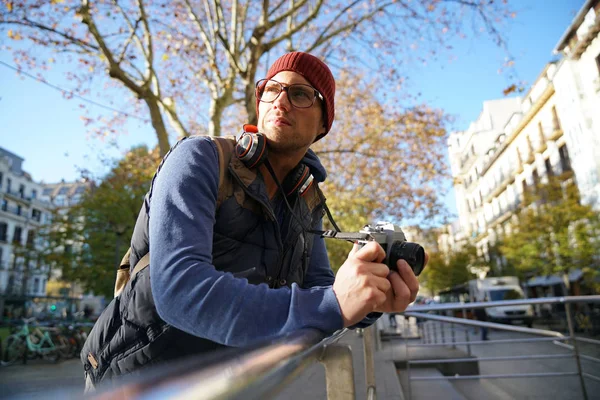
(262, 83)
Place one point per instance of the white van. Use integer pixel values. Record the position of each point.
(499, 289)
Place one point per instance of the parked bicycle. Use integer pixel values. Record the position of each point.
(32, 341)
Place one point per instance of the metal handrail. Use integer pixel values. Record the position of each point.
(265, 369)
(504, 303)
(484, 324)
(557, 337)
(259, 372)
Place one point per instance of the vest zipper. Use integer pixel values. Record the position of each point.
(271, 215)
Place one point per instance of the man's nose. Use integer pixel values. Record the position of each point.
(283, 101)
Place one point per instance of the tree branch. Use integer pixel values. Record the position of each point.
(72, 40)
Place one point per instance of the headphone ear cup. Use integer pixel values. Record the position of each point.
(298, 181)
(251, 149)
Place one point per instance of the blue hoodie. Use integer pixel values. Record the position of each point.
(191, 294)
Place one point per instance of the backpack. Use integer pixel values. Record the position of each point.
(225, 147)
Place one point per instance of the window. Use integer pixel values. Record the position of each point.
(34, 194)
(505, 294)
(542, 137)
(8, 184)
(3, 229)
(19, 209)
(17, 234)
(536, 178)
(36, 215)
(549, 170)
(63, 190)
(1, 177)
(555, 120)
(36, 285)
(565, 162)
(22, 191)
(30, 238)
(4, 205)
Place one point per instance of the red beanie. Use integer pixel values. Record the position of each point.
(316, 72)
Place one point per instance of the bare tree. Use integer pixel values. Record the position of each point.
(179, 58)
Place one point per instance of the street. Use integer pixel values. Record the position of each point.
(39, 379)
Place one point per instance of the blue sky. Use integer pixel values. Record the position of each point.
(38, 124)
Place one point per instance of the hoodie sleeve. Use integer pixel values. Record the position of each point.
(320, 274)
(189, 292)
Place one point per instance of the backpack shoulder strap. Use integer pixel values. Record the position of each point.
(225, 148)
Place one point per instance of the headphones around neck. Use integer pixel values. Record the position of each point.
(251, 150)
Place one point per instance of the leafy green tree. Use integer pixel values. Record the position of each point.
(553, 233)
(445, 271)
(107, 216)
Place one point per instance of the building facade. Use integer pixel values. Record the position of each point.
(22, 215)
(62, 196)
(577, 84)
(516, 144)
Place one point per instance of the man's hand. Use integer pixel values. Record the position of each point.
(364, 285)
(404, 288)
(361, 283)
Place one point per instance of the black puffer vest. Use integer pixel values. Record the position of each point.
(130, 335)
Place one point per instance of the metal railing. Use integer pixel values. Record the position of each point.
(256, 373)
(429, 338)
(266, 369)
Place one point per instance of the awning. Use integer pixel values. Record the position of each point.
(551, 280)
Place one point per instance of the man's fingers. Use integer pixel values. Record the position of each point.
(409, 278)
(372, 251)
(355, 248)
(402, 294)
(426, 259)
(382, 283)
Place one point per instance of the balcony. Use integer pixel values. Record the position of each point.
(14, 212)
(18, 196)
(467, 162)
(499, 189)
(541, 148)
(556, 133)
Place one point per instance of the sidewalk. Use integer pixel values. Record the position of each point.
(311, 383)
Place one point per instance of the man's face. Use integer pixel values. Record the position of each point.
(288, 128)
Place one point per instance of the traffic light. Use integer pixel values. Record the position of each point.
(53, 307)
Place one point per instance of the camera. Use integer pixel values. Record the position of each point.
(393, 241)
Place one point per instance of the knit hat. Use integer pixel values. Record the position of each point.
(316, 72)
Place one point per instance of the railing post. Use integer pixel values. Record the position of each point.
(378, 346)
(407, 368)
(442, 329)
(369, 363)
(434, 327)
(339, 372)
(576, 348)
(464, 313)
(453, 337)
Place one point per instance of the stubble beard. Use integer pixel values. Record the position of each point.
(282, 143)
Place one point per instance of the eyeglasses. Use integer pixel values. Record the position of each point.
(300, 95)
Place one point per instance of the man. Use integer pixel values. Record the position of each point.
(240, 269)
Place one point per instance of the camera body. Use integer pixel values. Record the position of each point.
(395, 245)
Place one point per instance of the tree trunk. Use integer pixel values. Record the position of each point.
(215, 111)
(158, 123)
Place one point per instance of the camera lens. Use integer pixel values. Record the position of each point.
(413, 253)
